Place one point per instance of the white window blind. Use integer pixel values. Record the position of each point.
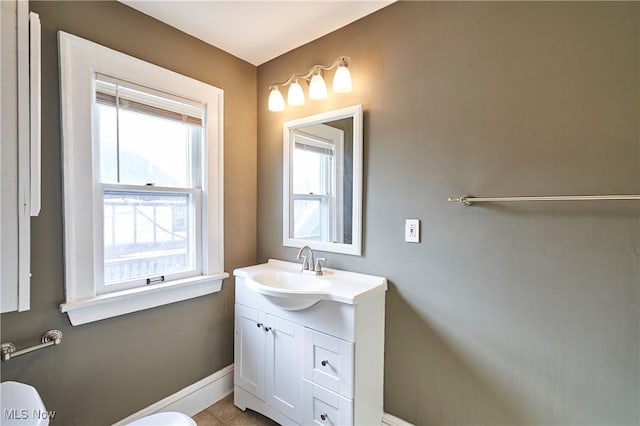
(117, 93)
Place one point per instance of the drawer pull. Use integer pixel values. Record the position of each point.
(324, 417)
(324, 362)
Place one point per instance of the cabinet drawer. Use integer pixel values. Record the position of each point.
(328, 361)
(323, 407)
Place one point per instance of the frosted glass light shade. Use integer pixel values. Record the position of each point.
(295, 96)
(317, 87)
(276, 101)
(342, 79)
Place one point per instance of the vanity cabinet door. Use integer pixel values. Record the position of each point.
(249, 350)
(284, 366)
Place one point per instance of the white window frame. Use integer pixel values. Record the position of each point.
(80, 61)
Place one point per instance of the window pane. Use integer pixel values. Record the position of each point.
(154, 150)
(310, 219)
(312, 172)
(142, 140)
(107, 132)
(147, 235)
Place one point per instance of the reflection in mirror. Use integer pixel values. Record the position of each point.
(322, 176)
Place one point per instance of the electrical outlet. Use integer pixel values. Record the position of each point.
(412, 230)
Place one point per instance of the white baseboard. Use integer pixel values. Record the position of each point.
(192, 399)
(391, 420)
(206, 392)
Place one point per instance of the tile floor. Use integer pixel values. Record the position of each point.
(224, 413)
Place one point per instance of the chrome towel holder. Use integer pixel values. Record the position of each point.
(49, 338)
(467, 200)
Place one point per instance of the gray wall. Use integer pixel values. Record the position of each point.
(104, 371)
(504, 314)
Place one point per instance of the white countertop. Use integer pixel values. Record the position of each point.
(340, 286)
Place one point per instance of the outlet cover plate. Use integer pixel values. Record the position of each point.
(412, 231)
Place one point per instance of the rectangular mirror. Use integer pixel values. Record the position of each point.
(323, 181)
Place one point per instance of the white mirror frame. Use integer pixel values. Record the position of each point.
(355, 248)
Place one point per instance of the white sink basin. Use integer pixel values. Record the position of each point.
(289, 290)
(284, 285)
(289, 281)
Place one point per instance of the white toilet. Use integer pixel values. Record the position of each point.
(170, 418)
(21, 405)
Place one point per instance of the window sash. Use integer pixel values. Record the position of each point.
(328, 228)
(111, 156)
(196, 233)
(124, 96)
(328, 168)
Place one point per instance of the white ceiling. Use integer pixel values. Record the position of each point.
(257, 31)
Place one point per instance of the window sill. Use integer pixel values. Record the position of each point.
(138, 299)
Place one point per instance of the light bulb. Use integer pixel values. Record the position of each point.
(276, 101)
(295, 96)
(317, 86)
(342, 79)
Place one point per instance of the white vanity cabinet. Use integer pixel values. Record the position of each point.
(250, 351)
(268, 361)
(322, 365)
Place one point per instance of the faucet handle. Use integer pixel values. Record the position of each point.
(318, 267)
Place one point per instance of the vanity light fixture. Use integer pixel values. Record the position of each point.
(295, 97)
(317, 85)
(342, 78)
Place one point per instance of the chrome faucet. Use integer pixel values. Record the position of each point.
(308, 264)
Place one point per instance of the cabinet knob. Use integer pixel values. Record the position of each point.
(267, 329)
(259, 324)
(324, 416)
(324, 362)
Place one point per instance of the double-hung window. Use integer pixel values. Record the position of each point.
(150, 146)
(314, 188)
(317, 184)
(142, 159)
